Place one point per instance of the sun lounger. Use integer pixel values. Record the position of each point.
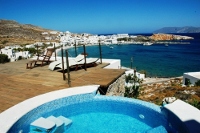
(55, 64)
(76, 65)
(41, 60)
(45, 58)
(89, 61)
(72, 64)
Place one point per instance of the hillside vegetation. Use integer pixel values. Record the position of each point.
(11, 32)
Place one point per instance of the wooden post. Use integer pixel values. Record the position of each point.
(135, 77)
(63, 69)
(100, 52)
(68, 71)
(131, 62)
(75, 50)
(84, 57)
(55, 51)
(37, 50)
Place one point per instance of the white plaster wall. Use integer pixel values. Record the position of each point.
(193, 76)
(114, 63)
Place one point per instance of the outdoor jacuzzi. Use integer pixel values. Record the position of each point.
(91, 112)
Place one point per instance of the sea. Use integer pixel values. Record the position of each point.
(157, 60)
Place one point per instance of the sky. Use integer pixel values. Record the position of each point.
(103, 16)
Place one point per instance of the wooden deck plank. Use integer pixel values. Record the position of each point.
(18, 83)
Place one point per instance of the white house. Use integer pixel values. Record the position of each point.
(139, 75)
(23, 54)
(38, 43)
(53, 32)
(12, 55)
(44, 33)
(191, 77)
(122, 35)
(7, 51)
(111, 41)
(30, 46)
(93, 39)
(102, 37)
(47, 38)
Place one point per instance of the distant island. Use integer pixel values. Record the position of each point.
(186, 29)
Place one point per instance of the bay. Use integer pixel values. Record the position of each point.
(157, 60)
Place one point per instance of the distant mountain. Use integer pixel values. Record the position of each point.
(186, 29)
(15, 33)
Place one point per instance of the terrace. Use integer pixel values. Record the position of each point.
(18, 83)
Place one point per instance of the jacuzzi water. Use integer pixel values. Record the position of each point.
(100, 114)
(106, 123)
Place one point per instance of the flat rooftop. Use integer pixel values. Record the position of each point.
(194, 74)
(18, 83)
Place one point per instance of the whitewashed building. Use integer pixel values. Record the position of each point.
(93, 39)
(122, 35)
(44, 33)
(30, 46)
(12, 55)
(191, 78)
(7, 51)
(53, 32)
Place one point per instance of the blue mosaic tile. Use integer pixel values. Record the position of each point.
(85, 103)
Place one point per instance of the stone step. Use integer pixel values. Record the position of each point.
(59, 124)
(66, 121)
(42, 125)
(50, 124)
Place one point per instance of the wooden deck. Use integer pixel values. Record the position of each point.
(18, 83)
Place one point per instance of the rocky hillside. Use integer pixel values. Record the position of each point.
(160, 37)
(11, 32)
(186, 29)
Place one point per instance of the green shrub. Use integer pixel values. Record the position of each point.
(20, 58)
(132, 91)
(187, 82)
(31, 50)
(197, 83)
(4, 58)
(195, 103)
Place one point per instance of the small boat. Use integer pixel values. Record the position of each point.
(166, 45)
(111, 47)
(147, 43)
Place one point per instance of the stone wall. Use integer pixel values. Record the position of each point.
(117, 88)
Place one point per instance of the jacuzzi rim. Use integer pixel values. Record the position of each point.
(8, 118)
